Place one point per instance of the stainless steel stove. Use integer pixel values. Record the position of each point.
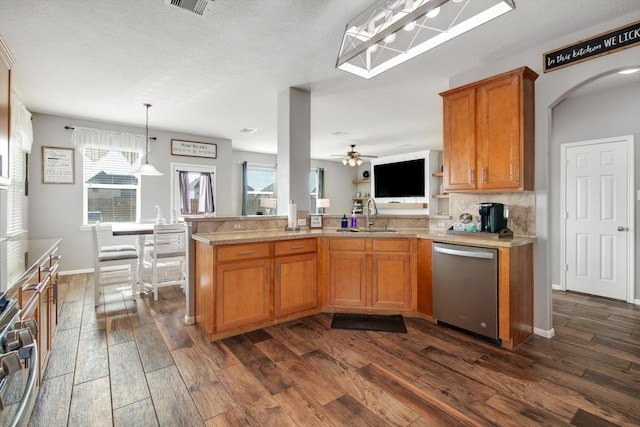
(19, 372)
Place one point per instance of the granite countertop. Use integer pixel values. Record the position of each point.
(439, 235)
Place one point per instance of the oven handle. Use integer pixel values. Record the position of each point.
(468, 254)
(22, 415)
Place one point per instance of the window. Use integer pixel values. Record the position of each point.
(111, 192)
(260, 185)
(259, 182)
(313, 191)
(193, 190)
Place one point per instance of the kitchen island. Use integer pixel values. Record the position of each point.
(252, 279)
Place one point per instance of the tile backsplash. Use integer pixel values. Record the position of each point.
(522, 206)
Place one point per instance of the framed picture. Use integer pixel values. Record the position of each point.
(315, 221)
(58, 165)
(194, 149)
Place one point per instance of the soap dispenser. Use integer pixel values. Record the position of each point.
(345, 221)
(354, 220)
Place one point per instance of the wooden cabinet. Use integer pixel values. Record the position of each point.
(391, 274)
(37, 294)
(347, 272)
(296, 276)
(489, 140)
(242, 293)
(240, 287)
(243, 285)
(371, 273)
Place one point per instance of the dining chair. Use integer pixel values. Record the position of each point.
(167, 260)
(113, 264)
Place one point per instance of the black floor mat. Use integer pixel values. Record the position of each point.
(369, 322)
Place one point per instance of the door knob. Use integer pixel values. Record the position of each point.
(620, 228)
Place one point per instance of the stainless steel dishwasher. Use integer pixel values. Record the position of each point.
(465, 288)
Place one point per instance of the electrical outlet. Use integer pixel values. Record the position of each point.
(237, 226)
(302, 221)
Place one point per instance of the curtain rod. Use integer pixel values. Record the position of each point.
(72, 128)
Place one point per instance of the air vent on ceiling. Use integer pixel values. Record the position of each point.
(199, 7)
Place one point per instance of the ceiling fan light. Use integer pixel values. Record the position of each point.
(352, 162)
(359, 162)
(345, 161)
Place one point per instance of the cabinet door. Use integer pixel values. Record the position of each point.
(242, 293)
(499, 134)
(459, 142)
(32, 311)
(347, 279)
(391, 280)
(296, 283)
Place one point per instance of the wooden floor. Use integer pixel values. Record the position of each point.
(134, 363)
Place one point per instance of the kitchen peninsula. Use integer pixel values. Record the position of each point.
(253, 278)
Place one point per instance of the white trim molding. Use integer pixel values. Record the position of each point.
(547, 333)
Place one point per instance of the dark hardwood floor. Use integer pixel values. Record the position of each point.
(135, 363)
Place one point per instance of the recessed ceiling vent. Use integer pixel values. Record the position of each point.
(199, 7)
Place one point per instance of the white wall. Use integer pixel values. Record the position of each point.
(550, 89)
(56, 209)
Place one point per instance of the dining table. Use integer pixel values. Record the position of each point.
(142, 230)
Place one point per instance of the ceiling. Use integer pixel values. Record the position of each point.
(218, 74)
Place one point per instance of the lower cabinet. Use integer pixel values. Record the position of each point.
(371, 273)
(296, 284)
(348, 276)
(240, 287)
(242, 293)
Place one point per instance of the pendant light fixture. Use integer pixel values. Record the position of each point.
(146, 168)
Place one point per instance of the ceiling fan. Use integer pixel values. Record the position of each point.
(353, 157)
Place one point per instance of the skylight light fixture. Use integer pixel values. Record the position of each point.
(366, 50)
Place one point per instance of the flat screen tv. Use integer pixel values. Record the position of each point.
(400, 179)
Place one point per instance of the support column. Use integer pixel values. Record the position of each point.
(294, 150)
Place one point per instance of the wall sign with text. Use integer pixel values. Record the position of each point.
(58, 165)
(602, 44)
(194, 149)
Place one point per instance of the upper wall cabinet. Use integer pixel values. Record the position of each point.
(489, 140)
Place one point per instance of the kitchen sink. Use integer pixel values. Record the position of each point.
(369, 230)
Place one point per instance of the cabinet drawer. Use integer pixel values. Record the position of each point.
(297, 246)
(391, 245)
(354, 244)
(243, 251)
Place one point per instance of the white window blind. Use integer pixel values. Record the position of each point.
(111, 190)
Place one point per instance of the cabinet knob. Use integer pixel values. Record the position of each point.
(9, 363)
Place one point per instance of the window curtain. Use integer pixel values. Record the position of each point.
(205, 202)
(183, 178)
(21, 127)
(244, 188)
(321, 183)
(108, 140)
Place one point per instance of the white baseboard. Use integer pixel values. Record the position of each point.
(70, 272)
(556, 287)
(547, 333)
(636, 301)
(189, 320)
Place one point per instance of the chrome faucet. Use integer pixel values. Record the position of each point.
(368, 213)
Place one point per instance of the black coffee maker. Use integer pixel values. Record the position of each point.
(492, 219)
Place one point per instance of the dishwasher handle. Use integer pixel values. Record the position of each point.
(468, 254)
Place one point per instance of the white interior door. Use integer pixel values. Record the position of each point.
(596, 198)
